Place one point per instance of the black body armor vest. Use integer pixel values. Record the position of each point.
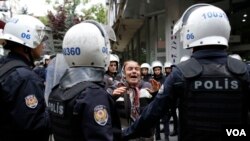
(65, 121)
(213, 98)
(66, 116)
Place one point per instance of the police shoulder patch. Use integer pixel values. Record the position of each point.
(31, 101)
(101, 115)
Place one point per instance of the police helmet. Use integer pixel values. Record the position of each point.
(146, 65)
(203, 24)
(236, 56)
(24, 29)
(167, 64)
(157, 64)
(87, 44)
(184, 58)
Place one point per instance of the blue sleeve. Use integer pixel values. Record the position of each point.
(29, 109)
(96, 122)
(155, 110)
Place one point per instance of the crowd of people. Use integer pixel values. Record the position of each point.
(87, 94)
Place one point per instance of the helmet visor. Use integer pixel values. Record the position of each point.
(40, 33)
(43, 38)
(110, 32)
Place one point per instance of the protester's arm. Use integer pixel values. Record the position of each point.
(116, 90)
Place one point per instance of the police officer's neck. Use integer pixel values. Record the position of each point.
(112, 74)
(20, 51)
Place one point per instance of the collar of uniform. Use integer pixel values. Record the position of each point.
(158, 76)
(13, 55)
(209, 53)
(144, 84)
(73, 76)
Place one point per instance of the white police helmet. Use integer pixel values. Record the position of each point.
(203, 24)
(114, 58)
(45, 57)
(146, 65)
(236, 56)
(25, 30)
(184, 58)
(167, 64)
(87, 44)
(156, 64)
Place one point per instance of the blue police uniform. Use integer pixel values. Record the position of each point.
(41, 71)
(147, 77)
(161, 78)
(84, 112)
(22, 106)
(110, 80)
(212, 91)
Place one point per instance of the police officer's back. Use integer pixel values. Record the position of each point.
(80, 107)
(22, 106)
(212, 88)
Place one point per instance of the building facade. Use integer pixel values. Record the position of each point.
(144, 28)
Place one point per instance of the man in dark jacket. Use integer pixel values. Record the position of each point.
(212, 88)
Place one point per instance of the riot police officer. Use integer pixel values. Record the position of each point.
(212, 88)
(146, 72)
(111, 74)
(80, 107)
(158, 75)
(41, 70)
(157, 70)
(167, 68)
(22, 106)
